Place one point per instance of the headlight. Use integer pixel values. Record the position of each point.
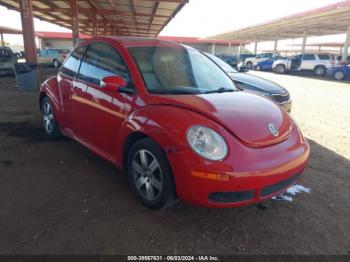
(206, 143)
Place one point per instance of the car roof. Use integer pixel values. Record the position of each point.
(136, 41)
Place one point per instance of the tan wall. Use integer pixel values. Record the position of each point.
(56, 43)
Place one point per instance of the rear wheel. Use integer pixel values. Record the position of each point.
(48, 119)
(320, 70)
(280, 69)
(339, 75)
(150, 176)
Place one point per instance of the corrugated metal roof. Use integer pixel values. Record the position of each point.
(330, 19)
(122, 17)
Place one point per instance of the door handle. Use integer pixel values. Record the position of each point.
(80, 85)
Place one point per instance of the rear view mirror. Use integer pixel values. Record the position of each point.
(113, 83)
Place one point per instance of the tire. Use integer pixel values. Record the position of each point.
(55, 63)
(150, 176)
(249, 65)
(339, 75)
(280, 69)
(320, 70)
(48, 119)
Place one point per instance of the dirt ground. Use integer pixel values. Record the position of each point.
(58, 198)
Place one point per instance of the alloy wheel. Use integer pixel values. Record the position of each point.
(48, 117)
(56, 64)
(280, 69)
(339, 75)
(147, 174)
(319, 71)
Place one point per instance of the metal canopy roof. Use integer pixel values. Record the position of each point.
(8, 30)
(122, 17)
(330, 19)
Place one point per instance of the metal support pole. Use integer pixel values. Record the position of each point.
(75, 22)
(346, 45)
(229, 48)
(104, 26)
(275, 44)
(28, 31)
(256, 47)
(2, 39)
(303, 43)
(94, 29)
(240, 47)
(213, 48)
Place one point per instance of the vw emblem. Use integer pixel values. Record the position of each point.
(273, 129)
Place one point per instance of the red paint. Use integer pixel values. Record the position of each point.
(103, 120)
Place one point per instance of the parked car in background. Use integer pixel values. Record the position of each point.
(251, 61)
(339, 72)
(7, 61)
(175, 122)
(52, 57)
(256, 84)
(266, 65)
(236, 59)
(318, 63)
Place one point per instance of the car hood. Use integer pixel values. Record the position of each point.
(263, 84)
(245, 115)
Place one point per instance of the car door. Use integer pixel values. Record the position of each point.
(308, 62)
(65, 79)
(98, 113)
(51, 55)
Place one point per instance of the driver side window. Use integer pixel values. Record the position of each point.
(101, 60)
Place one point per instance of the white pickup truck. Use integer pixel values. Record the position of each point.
(318, 63)
(251, 61)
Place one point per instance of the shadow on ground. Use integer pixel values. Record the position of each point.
(59, 198)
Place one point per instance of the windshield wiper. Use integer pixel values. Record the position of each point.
(220, 90)
(174, 92)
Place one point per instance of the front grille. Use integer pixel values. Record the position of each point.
(268, 190)
(281, 98)
(231, 197)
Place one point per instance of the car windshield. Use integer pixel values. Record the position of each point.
(178, 70)
(225, 66)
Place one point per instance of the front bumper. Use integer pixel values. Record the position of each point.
(261, 179)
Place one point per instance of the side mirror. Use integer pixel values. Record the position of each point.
(113, 83)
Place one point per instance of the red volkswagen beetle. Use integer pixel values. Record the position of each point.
(174, 121)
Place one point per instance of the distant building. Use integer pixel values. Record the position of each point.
(218, 47)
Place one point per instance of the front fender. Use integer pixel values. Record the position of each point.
(165, 124)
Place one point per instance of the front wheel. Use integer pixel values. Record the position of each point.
(48, 119)
(339, 75)
(280, 69)
(150, 176)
